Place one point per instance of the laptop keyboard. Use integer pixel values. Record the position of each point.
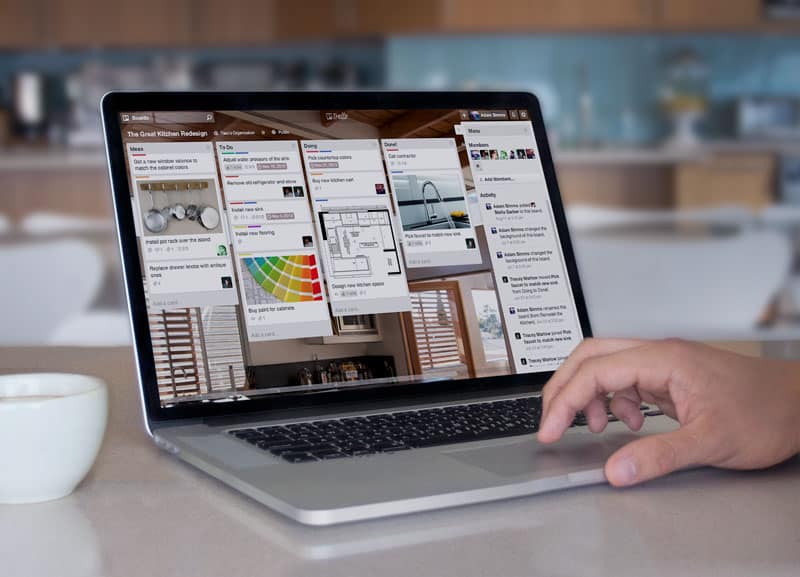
(400, 431)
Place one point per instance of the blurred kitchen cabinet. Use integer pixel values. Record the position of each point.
(20, 24)
(99, 23)
(249, 22)
(545, 15)
(78, 192)
(319, 19)
(745, 179)
(234, 22)
(616, 185)
(377, 17)
(718, 15)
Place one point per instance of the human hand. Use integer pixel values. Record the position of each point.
(734, 411)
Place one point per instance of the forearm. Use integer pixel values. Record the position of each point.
(795, 408)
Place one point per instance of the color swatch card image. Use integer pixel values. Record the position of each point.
(273, 240)
(283, 296)
(288, 279)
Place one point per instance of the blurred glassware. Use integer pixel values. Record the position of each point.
(86, 88)
(768, 117)
(339, 74)
(685, 96)
(5, 128)
(29, 104)
(629, 126)
(299, 77)
(782, 9)
(237, 76)
(5, 225)
(789, 179)
(585, 107)
(175, 73)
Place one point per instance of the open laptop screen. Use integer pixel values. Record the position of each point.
(329, 249)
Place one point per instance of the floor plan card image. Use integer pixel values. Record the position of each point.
(357, 240)
(355, 225)
(430, 198)
(283, 296)
(363, 267)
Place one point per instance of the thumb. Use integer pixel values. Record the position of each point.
(653, 456)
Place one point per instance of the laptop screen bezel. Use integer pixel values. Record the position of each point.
(115, 103)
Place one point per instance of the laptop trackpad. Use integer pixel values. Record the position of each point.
(530, 458)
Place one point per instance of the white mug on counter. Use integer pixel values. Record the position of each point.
(51, 428)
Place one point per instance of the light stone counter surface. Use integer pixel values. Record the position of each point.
(141, 512)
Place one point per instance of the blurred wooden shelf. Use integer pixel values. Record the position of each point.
(616, 156)
(48, 24)
(50, 159)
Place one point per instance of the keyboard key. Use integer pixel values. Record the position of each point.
(388, 446)
(327, 455)
(298, 457)
(390, 432)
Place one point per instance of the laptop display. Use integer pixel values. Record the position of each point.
(320, 250)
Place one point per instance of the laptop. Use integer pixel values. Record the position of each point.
(345, 304)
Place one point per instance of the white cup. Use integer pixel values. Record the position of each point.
(51, 428)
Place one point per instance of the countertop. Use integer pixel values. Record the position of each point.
(141, 512)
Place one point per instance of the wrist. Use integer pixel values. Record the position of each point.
(794, 405)
(796, 421)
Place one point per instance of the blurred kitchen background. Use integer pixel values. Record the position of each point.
(675, 126)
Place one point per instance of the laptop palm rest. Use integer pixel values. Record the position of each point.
(525, 458)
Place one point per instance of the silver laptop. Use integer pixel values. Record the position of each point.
(344, 305)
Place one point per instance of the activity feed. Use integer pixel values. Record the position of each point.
(273, 232)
